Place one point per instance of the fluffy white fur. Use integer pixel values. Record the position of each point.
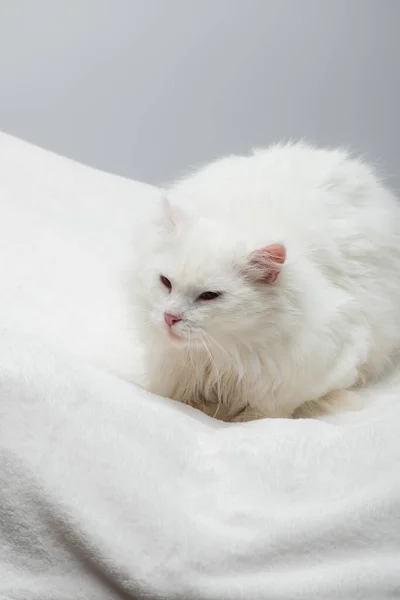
(316, 315)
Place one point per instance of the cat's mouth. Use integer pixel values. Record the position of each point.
(181, 337)
(174, 336)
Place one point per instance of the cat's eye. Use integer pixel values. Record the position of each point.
(209, 295)
(166, 282)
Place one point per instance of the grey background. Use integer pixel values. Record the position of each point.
(149, 88)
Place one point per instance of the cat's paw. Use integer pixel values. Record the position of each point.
(335, 402)
(229, 414)
(247, 414)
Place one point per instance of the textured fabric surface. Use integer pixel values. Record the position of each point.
(108, 492)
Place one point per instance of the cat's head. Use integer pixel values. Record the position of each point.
(204, 282)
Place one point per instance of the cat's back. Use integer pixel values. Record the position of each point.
(293, 187)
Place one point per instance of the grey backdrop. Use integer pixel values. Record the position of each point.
(148, 88)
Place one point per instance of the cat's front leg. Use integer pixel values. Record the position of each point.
(247, 414)
(216, 410)
(334, 402)
(226, 413)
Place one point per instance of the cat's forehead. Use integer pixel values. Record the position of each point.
(197, 269)
(200, 256)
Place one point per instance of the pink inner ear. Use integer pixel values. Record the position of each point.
(265, 264)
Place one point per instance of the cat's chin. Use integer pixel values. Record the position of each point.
(176, 338)
(182, 339)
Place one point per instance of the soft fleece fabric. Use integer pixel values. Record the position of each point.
(107, 492)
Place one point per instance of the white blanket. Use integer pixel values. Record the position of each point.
(107, 492)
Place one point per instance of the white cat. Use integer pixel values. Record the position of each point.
(272, 281)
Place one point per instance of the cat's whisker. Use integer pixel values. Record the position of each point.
(214, 341)
(188, 355)
(188, 387)
(231, 359)
(189, 350)
(217, 410)
(207, 349)
(216, 370)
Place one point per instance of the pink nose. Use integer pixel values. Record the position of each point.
(171, 319)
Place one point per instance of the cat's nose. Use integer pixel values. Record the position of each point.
(171, 319)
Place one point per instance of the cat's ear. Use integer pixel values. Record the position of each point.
(264, 264)
(173, 216)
